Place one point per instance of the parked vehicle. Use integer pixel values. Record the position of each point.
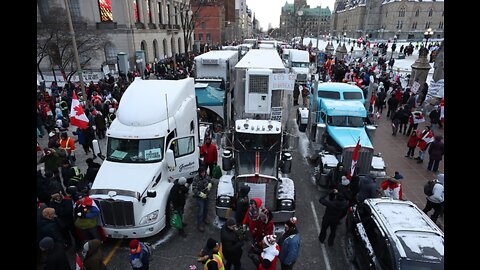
(392, 234)
(152, 141)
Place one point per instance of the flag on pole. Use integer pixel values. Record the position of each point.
(78, 262)
(77, 115)
(354, 159)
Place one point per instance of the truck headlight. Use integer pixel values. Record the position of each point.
(286, 204)
(224, 201)
(152, 217)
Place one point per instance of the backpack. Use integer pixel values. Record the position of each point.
(428, 188)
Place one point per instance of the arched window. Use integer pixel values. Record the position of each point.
(143, 47)
(430, 13)
(180, 45)
(172, 43)
(155, 49)
(417, 12)
(165, 54)
(110, 53)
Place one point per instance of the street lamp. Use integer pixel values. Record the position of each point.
(299, 13)
(344, 37)
(428, 34)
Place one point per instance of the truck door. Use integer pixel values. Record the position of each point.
(186, 155)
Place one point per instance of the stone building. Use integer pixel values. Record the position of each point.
(311, 20)
(385, 19)
(153, 26)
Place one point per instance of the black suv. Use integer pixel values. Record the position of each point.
(384, 234)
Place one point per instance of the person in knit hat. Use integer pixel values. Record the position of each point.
(86, 218)
(290, 244)
(139, 255)
(232, 243)
(56, 258)
(269, 255)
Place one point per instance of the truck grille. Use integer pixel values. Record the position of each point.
(116, 213)
(364, 162)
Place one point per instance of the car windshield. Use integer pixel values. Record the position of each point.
(352, 95)
(417, 265)
(300, 64)
(135, 151)
(345, 121)
(329, 94)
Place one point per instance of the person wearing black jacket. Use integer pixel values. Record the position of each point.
(392, 106)
(178, 198)
(335, 176)
(231, 245)
(337, 208)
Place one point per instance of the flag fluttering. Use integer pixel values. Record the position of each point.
(77, 115)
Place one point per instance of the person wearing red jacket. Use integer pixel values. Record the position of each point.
(424, 140)
(208, 151)
(269, 255)
(392, 188)
(412, 144)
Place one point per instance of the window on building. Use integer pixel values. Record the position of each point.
(43, 8)
(164, 48)
(401, 24)
(176, 16)
(200, 36)
(168, 14)
(136, 11)
(143, 47)
(160, 18)
(209, 37)
(203, 25)
(427, 25)
(110, 53)
(414, 25)
(430, 13)
(440, 25)
(155, 49)
(417, 12)
(147, 3)
(398, 24)
(105, 7)
(74, 6)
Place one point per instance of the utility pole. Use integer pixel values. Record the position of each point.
(318, 35)
(74, 45)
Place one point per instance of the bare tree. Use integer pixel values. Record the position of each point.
(187, 18)
(54, 40)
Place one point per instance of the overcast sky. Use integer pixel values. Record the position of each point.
(268, 11)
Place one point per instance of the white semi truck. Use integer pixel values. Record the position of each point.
(255, 155)
(152, 141)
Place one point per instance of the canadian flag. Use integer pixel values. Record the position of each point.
(442, 111)
(354, 159)
(78, 262)
(77, 115)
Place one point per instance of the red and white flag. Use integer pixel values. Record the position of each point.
(78, 262)
(354, 159)
(77, 115)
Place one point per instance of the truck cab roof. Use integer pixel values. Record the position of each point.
(268, 59)
(343, 108)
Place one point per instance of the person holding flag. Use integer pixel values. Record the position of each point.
(77, 115)
(354, 160)
(424, 140)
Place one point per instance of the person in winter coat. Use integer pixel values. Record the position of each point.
(435, 153)
(209, 153)
(231, 244)
(269, 255)
(93, 255)
(424, 140)
(396, 120)
(242, 203)
(345, 191)
(53, 160)
(49, 225)
(56, 258)
(64, 210)
(412, 144)
(337, 208)
(436, 200)
(434, 116)
(392, 106)
(404, 119)
(392, 188)
(139, 255)
(289, 244)
(92, 170)
(367, 188)
(201, 186)
(381, 95)
(259, 222)
(86, 218)
(334, 176)
(178, 198)
(100, 124)
(413, 122)
(209, 256)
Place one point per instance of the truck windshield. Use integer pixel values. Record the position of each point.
(300, 64)
(352, 95)
(345, 121)
(329, 94)
(135, 151)
(265, 142)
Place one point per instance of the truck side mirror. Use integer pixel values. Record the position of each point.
(170, 158)
(96, 147)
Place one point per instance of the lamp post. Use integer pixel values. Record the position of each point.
(428, 34)
(299, 13)
(394, 46)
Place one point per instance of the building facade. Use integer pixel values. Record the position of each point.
(298, 19)
(153, 26)
(387, 19)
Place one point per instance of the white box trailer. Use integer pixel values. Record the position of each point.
(216, 65)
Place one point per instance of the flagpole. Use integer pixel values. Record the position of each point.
(75, 50)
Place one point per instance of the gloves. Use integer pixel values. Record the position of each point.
(209, 186)
(202, 195)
